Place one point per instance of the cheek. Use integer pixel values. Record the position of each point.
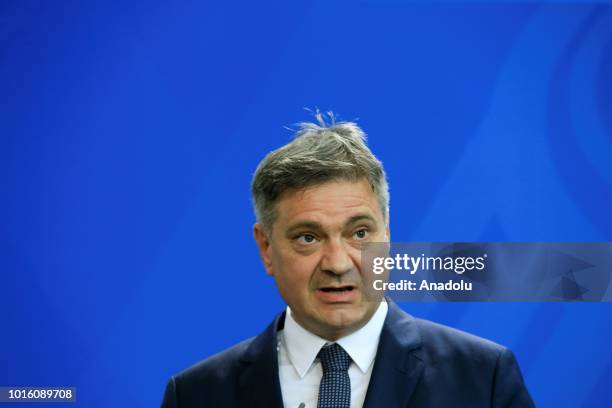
(296, 271)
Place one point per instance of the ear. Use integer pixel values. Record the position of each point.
(263, 243)
(388, 233)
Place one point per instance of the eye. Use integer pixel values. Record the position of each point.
(361, 234)
(306, 239)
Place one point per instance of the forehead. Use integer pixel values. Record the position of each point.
(329, 203)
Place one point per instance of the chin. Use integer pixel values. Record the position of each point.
(345, 318)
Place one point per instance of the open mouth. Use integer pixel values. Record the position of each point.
(337, 289)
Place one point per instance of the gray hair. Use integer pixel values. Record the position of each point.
(319, 153)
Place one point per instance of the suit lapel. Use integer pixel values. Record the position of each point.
(396, 372)
(259, 379)
(398, 366)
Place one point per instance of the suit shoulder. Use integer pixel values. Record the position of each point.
(444, 342)
(210, 382)
(215, 368)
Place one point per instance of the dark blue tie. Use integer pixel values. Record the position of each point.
(335, 388)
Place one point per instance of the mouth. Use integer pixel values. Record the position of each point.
(337, 289)
(344, 294)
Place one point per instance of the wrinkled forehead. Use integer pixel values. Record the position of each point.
(332, 204)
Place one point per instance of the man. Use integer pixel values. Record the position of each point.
(317, 200)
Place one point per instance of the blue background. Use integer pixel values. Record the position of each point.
(130, 130)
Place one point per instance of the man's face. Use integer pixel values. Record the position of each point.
(314, 254)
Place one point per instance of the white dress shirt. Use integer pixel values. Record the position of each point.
(300, 371)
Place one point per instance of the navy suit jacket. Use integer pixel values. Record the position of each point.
(418, 364)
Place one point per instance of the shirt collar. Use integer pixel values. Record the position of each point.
(303, 346)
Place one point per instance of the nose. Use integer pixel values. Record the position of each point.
(336, 258)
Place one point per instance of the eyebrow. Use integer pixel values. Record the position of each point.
(303, 225)
(317, 226)
(360, 217)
